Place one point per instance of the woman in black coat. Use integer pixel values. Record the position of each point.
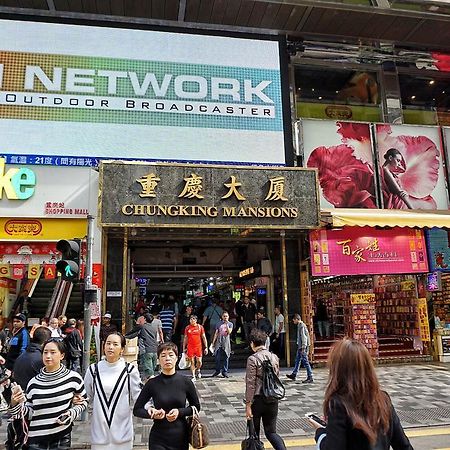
(359, 415)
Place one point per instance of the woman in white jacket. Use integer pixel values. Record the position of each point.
(112, 385)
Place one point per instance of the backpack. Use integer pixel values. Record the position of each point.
(272, 387)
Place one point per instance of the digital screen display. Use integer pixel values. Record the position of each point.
(74, 94)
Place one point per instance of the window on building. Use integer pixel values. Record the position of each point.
(425, 98)
(341, 94)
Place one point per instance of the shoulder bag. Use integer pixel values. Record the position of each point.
(252, 442)
(198, 432)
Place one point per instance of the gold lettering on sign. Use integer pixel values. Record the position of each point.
(193, 186)
(148, 183)
(233, 186)
(276, 189)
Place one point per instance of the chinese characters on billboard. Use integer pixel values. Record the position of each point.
(365, 250)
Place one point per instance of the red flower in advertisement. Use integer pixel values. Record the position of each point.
(410, 170)
(346, 173)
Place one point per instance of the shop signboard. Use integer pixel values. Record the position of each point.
(204, 196)
(445, 344)
(41, 229)
(411, 167)
(422, 308)
(71, 94)
(438, 247)
(65, 192)
(365, 250)
(342, 153)
(362, 299)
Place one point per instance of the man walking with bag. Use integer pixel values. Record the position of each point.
(303, 343)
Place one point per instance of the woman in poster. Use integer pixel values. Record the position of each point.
(393, 195)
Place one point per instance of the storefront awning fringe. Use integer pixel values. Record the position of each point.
(385, 218)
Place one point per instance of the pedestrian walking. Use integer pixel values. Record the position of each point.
(30, 363)
(169, 393)
(18, 342)
(257, 406)
(112, 385)
(106, 328)
(74, 346)
(212, 315)
(222, 345)
(359, 415)
(49, 401)
(323, 322)
(264, 324)
(280, 333)
(148, 344)
(195, 345)
(303, 343)
(248, 315)
(168, 320)
(53, 326)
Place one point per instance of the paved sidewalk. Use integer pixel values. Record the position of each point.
(419, 393)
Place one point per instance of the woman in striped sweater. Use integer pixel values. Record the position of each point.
(49, 399)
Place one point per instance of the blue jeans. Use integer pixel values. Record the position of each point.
(302, 358)
(221, 361)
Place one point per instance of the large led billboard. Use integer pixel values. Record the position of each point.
(71, 94)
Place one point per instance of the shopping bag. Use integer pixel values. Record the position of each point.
(184, 362)
(198, 432)
(252, 442)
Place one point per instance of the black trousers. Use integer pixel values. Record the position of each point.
(268, 412)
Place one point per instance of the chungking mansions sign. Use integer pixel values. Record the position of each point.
(186, 195)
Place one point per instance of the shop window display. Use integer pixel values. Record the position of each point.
(425, 98)
(341, 94)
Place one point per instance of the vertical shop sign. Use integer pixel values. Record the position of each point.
(49, 271)
(365, 250)
(97, 275)
(18, 271)
(423, 319)
(5, 270)
(33, 271)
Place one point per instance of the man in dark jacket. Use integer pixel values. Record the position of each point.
(74, 346)
(18, 342)
(29, 363)
(264, 324)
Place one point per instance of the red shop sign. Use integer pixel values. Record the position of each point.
(365, 250)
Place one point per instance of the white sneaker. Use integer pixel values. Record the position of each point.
(199, 375)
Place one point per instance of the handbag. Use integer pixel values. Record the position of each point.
(252, 442)
(272, 387)
(198, 432)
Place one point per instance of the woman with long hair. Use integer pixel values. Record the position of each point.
(49, 402)
(168, 392)
(359, 415)
(112, 384)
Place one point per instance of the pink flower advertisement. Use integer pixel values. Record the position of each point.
(365, 250)
(342, 153)
(411, 167)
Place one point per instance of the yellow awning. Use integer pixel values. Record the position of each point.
(385, 218)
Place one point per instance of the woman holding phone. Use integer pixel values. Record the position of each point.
(48, 401)
(358, 414)
(168, 392)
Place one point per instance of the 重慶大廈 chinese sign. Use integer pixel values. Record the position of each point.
(206, 195)
(365, 250)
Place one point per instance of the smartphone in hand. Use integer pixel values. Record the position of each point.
(316, 419)
(63, 419)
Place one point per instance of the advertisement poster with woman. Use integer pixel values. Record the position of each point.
(342, 153)
(411, 167)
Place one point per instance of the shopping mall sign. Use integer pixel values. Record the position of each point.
(366, 250)
(18, 184)
(185, 195)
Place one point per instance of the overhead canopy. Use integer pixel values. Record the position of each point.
(385, 218)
